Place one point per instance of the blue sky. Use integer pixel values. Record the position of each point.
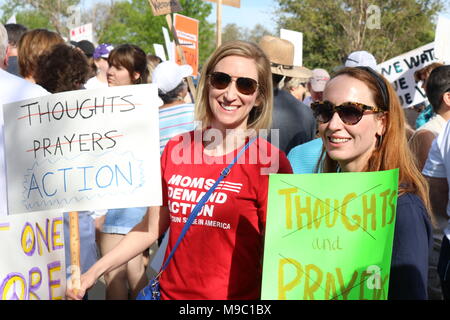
(249, 14)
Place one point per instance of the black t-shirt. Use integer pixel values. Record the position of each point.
(294, 120)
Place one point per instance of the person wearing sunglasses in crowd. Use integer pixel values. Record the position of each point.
(361, 124)
(220, 256)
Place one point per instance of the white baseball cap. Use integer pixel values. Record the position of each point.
(319, 79)
(361, 59)
(168, 75)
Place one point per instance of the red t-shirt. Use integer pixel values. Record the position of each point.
(220, 256)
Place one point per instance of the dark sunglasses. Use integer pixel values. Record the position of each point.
(349, 112)
(220, 80)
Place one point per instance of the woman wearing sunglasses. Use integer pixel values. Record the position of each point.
(220, 256)
(361, 124)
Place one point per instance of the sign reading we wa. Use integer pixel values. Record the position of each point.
(84, 150)
(329, 236)
(399, 71)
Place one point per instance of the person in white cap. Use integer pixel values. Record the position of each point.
(175, 116)
(361, 59)
(316, 85)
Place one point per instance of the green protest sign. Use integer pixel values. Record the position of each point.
(329, 236)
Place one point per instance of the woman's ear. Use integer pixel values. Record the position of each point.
(136, 76)
(446, 99)
(382, 123)
(258, 101)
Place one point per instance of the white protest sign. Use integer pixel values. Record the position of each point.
(83, 32)
(84, 150)
(170, 46)
(32, 265)
(442, 39)
(400, 73)
(297, 40)
(159, 51)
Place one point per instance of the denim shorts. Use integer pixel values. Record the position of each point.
(121, 221)
(88, 247)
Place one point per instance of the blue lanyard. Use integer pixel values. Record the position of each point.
(202, 202)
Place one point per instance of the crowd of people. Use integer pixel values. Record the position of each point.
(349, 121)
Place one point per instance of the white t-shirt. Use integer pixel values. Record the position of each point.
(12, 88)
(94, 83)
(438, 163)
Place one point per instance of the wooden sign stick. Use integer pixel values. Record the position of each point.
(180, 51)
(75, 269)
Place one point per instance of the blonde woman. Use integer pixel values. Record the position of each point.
(220, 257)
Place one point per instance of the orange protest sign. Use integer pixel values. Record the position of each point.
(160, 7)
(232, 3)
(187, 33)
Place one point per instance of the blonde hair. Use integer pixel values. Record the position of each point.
(260, 116)
(31, 46)
(392, 149)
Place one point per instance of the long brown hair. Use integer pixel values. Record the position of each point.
(392, 150)
(132, 58)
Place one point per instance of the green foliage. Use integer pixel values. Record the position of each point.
(133, 22)
(49, 14)
(123, 21)
(233, 32)
(333, 29)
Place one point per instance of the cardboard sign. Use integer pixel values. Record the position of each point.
(160, 7)
(187, 33)
(83, 32)
(442, 39)
(400, 73)
(329, 236)
(32, 265)
(232, 3)
(84, 150)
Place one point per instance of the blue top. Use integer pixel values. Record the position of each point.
(304, 158)
(424, 116)
(412, 243)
